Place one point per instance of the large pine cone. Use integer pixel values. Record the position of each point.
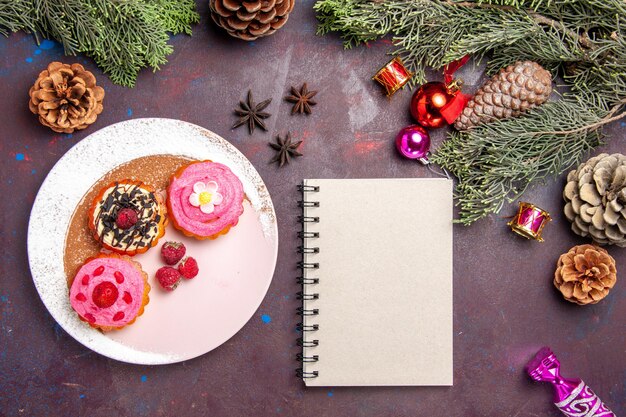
(66, 97)
(585, 274)
(510, 92)
(249, 20)
(595, 197)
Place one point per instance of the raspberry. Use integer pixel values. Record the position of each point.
(81, 297)
(172, 252)
(126, 218)
(188, 268)
(118, 316)
(168, 277)
(90, 317)
(99, 270)
(85, 279)
(105, 294)
(127, 297)
(119, 277)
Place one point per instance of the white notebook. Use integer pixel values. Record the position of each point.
(377, 282)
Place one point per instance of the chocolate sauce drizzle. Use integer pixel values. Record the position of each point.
(144, 202)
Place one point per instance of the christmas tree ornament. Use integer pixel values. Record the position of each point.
(572, 396)
(585, 274)
(251, 19)
(595, 199)
(529, 221)
(393, 76)
(66, 97)
(429, 101)
(512, 91)
(437, 104)
(413, 142)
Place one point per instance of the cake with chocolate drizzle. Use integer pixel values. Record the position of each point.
(128, 217)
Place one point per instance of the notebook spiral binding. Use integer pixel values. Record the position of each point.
(306, 267)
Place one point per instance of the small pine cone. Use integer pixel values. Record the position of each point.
(66, 97)
(585, 274)
(252, 19)
(595, 197)
(509, 93)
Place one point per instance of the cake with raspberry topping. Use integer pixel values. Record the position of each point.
(205, 199)
(128, 217)
(109, 291)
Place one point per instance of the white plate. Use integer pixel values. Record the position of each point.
(201, 314)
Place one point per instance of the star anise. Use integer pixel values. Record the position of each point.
(285, 150)
(251, 113)
(302, 99)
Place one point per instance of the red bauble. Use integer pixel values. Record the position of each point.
(428, 102)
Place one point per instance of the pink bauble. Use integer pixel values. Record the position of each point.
(413, 142)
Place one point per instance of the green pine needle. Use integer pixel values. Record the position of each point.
(14, 16)
(496, 162)
(581, 41)
(122, 36)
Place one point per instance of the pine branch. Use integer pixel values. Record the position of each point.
(520, 4)
(580, 40)
(177, 16)
(613, 116)
(122, 36)
(495, 163)
(531, 10)
(14, 16)
(54, 19)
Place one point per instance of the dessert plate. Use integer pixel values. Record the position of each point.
(235, 270)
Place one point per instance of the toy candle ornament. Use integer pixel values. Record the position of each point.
(530, 221)
(572, 396)
(393, 76)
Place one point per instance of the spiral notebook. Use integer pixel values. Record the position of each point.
(376, 282)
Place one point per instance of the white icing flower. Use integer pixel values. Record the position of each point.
(205, 196)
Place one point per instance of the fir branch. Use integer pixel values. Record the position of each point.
(122, 36)
(580, 40)
(14, 16)
(177, 16)
(495, 163)
(520, 4)
(613, 116)
(54, 19)
(531, 10)
(143, 34)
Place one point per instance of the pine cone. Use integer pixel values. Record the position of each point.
(595, 197)
(585, 274)
(66, 97)
(510, 92)
(249, 20)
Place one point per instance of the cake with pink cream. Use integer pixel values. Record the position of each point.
(205, 199)
(109, 291)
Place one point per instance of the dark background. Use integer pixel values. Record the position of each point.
(505, 307)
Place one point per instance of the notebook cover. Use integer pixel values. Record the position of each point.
(385, 282)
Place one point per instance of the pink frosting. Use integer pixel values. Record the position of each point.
(191, 218)
(130, 286)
